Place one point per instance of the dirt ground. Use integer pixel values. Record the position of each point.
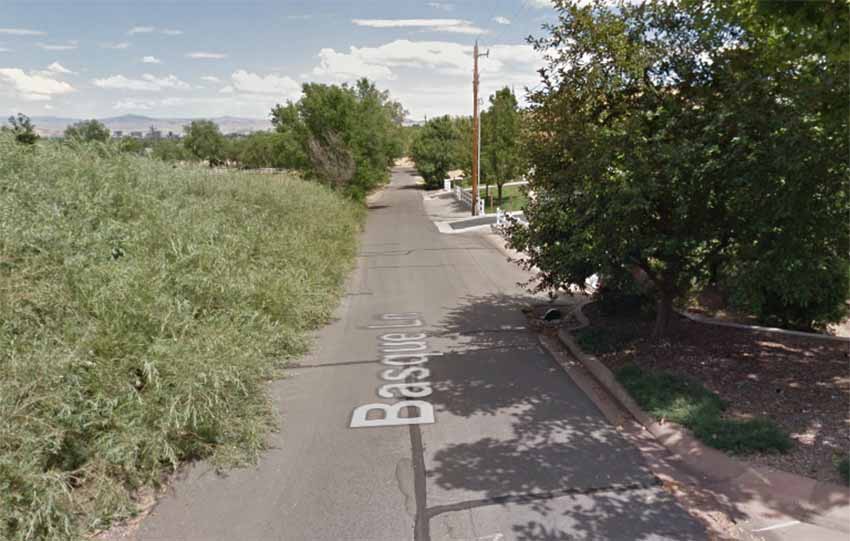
(802, 384)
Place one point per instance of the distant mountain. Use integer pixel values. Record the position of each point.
(51, 126)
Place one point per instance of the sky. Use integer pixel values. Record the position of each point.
(97, 59)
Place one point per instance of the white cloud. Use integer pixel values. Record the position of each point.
(254, 105)
(33, 86)
(539, 4)
(21, 32)
(227, 90)
(148, 83)
(122, 45)
(211, 79)
(206, 56)
(457, 26)
(152, 29)
(443, 57)
(58, 47)
(151, 60)
(501, 20)
(48, 106)
(432, 77)
(253, 83)
(442, 5)
(347, 66)
(5, 50)
(56, 67)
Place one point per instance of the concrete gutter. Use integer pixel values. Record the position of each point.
(822, 504)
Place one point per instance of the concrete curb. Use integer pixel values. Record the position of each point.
(798, 497)
(757, 328)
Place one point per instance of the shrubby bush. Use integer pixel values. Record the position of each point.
(142, 308)
(331, 124)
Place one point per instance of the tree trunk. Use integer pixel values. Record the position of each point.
(499, 194)
(663, 314)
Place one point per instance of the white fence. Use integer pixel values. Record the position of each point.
(465, 195)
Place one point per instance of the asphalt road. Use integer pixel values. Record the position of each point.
(515, 451)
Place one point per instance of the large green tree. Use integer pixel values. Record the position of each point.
(204, 141)
(500, 140)
(669, 139)
(435, 150)
(791, 86)
(87, 130)
(345, 136)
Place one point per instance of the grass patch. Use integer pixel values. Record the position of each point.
(598, 340)
(513, 199)
(676, 399)
(142, 309)
(843, 466)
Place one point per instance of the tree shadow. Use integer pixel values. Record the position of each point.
(585, 480)
(525, 428)
(802, 384)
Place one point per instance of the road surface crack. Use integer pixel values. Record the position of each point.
(616, 488)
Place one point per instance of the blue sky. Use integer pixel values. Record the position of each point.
(214, 58)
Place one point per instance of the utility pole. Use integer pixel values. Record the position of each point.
(476, 130)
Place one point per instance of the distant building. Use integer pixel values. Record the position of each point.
(118, 134)
(136, 134)
(154, 134)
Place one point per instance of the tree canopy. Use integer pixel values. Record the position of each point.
(693, 142)
(500, 140)
(87, 130)
(204, 141)
(435, 150)
(345, 136)
(22, 128)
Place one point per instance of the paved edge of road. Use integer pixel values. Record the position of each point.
(800, 497)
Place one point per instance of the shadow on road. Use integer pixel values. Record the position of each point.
(536, 434)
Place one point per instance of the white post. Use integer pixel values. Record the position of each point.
(480, 207)
(447, 185)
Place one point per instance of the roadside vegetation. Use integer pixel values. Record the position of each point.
(780, 400)
(513, 198)
(343, 136)
(444, 144)
(685, 145)
(674, 398)
(143, 306)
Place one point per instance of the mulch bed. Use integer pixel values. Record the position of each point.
(802, 384)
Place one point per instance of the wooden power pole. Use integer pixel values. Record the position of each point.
(476, 130)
